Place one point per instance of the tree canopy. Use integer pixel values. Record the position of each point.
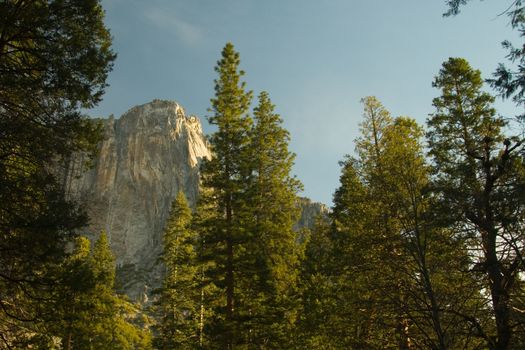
(54, 58)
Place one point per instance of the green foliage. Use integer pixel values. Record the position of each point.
(224, 175)
(249, 249)
(54, 58)
(211, 300)
(478, 179)
(87, 313)
(380, 275)
(270, 295)
(321, 325)
(178, 305)
(454, 6)
(507, 81)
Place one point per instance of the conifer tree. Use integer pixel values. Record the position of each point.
(434, 254)
(321, 300)
(224, 175)
(387, 243)
(270, 210)
(479, 180)
(366, 233)
(90, 314)
(355, 302)
(210, 301)
(55, 56)
(78, 280)
(179, 298)
(508, 80)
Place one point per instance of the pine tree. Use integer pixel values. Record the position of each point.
(508, 81)
(248, 243)
(55, 56)
(210, 301)
(322, 322)
(178, 305)
(269, 213)
(224, 175)
(352, 292)
(401, 263)
(478, 178)
(78, 281)
(357, 261)
(434, 254)
(90, 315)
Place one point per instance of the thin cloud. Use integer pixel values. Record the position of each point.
(166, 19)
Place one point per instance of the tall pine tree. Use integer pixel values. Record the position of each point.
(269, 213)
(392, 265)
(249, 248)
(479, 176)
(225, 176)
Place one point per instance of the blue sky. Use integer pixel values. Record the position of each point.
(316, 59)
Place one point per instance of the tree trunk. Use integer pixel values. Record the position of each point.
(229, 275)
(499, 291)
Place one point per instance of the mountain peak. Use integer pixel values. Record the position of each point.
(150, 154)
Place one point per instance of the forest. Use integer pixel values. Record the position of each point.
(423, 247)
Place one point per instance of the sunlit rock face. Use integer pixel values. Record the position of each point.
(148, 155)
(310, 211)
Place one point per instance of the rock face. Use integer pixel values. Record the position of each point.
(309, 213)
(150, 154)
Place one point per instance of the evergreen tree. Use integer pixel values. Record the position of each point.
(54, 58)
(479, 180)
(249, 247)
(322, 324)
(79, 279)
(210, 301)
(269, 213)
(225, 175)
(392, 265)
(88, 314)
(508, 81)
(179, 298)
(384, 321)
(435, 258)
(350, 283)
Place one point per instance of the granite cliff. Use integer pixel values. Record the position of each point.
(148, 155)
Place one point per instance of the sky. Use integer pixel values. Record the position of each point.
(316, 59)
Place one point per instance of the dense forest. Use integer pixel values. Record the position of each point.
(423, 248)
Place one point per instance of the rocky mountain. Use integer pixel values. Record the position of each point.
(148, 155)
(309, 212)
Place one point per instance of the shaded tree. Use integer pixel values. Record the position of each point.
(387, 279)
(479, 181)
(54, 58)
